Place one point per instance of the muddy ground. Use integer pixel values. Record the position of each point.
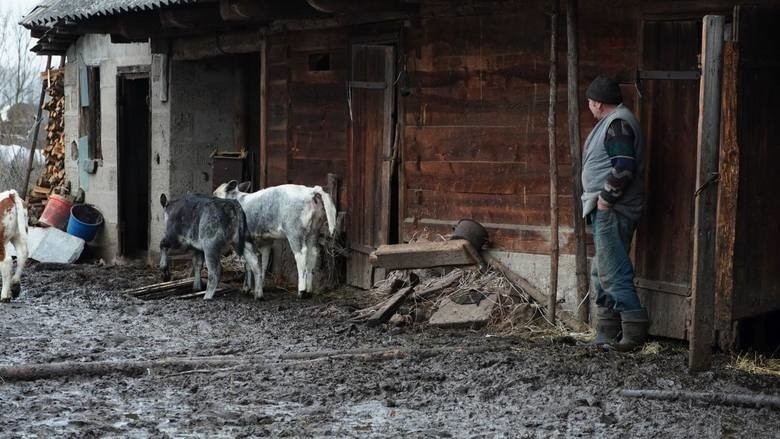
(431, 383)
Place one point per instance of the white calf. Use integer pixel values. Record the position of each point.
(13, 229)
(288, 211)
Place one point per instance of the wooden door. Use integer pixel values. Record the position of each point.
(371, 107)
(669, 88)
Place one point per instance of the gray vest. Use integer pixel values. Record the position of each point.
(597, 166)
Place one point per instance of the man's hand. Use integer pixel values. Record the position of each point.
(603, 205)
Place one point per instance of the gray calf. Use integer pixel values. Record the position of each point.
(288, 211)
(205, 226)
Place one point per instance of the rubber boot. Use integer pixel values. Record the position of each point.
(635, 325)
(607, 326)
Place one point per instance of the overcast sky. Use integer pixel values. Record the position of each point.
(22, 7)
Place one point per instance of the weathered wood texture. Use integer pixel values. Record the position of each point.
(663, 251)
(703, 266)
(389, 308)
(551, 128)
(277, 116)
(318, 106)
(756, 263)
(572, 76)
(475, 142)
(424, 255)
(728, 186)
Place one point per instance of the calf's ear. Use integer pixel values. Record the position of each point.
(245, 186)
(163, 200)
(231, 185)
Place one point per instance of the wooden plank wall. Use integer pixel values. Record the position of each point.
(475, 136)
(318, 108)
(278, 109)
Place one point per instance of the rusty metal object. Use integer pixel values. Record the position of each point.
(471, 231)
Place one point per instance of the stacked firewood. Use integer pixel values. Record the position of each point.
(53, 176)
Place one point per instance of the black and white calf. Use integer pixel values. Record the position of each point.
(288, 211)
(13, 230)
(206, 226)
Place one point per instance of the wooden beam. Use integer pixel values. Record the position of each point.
(263, 183)
(728, 194)
(424, 255)
(244, 10)
(223, 43)
(581, 256)
(533, 292)
(390, 307)
(553, 154)
(703, 276)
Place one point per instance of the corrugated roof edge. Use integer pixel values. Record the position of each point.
(48, 14)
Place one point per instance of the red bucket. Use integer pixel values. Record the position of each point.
(57, 212)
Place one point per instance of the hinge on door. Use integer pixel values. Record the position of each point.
(665, 75)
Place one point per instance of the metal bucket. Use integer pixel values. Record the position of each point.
(472, 232)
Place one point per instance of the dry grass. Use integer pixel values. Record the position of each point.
(757, 364)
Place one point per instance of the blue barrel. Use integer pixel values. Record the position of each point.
(84, 221)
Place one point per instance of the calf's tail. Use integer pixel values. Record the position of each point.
(243, 232)
(330, 208)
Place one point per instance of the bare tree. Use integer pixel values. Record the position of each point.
(19, 67)
(19, 88)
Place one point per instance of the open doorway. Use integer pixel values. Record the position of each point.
(133, 147)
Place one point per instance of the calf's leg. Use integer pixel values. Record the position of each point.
(6, 267)
(253, 271)
(215, 271)
(164, 270)
(21, 258)
(197, 267)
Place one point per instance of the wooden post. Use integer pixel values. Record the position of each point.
(705, 204)
(581, 256)
(36, 128)
(263, 114)
(728, 192)
(554, 247)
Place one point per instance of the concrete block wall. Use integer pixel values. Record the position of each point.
(100, 187)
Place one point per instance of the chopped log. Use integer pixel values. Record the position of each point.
(535, 293)
(424, 255)
(389, 307)
(757, 401)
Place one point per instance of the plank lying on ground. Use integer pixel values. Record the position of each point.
(438, 285)
(424, 255)
(36, 371)
(536, 294)
(159, 287)
(455, 315)
(218, 292)
(389, 307)
(758, 400)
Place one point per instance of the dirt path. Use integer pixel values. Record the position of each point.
(496, 386)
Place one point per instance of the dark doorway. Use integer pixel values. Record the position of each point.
(133, 145)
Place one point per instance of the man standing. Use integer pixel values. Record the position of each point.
(612, 201)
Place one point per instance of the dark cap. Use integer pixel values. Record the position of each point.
(604, 89)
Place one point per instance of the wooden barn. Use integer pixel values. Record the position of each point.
(430, 111)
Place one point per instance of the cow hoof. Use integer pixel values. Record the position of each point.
(16, 290)
(260, 298)
(304, 295)
(5, 300)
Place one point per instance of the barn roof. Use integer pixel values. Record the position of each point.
(49, 12)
